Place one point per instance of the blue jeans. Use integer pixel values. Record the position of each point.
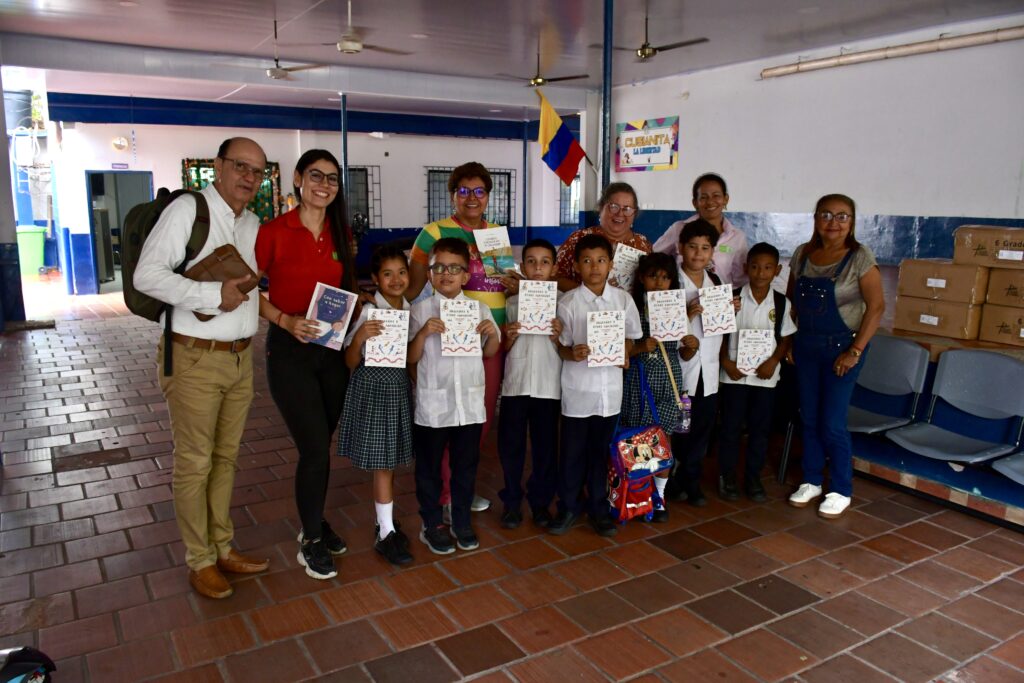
(824, 402)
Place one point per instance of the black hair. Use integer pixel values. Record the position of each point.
(386, 252)
(647, 265)
(222, 151)
(851, 239)
(540, 243)
(337, 214)
(451, 245)
(468, 171)
(592, 241)
(705, 177)
(699, 228)
(763, 248)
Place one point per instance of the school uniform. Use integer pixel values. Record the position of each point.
(450, 413)
(750, 398)
(591, 400)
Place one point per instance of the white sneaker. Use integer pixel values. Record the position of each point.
(833, 505)
(804, 495)
(479, 504)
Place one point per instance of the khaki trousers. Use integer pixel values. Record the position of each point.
(208, 397)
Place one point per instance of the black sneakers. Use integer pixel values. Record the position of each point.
(394, 548)
(755, 491)
(511, 519)
(316, 558)
(604, 526)
(542, 518)
(437, 539)
(333, 541)
(465, 538)
(727, 489)
(562, 523)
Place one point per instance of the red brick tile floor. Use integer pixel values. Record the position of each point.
(91, 569)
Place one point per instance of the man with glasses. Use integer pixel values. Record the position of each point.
(211, 385)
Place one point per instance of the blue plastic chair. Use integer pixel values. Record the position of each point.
(981, 383)
(895, 367)
(1011, 467)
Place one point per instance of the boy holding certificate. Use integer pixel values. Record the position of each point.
(750, 371)
(598, 322)
(531, 391)
(449, 394)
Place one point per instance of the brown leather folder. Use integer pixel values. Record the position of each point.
(225, 263)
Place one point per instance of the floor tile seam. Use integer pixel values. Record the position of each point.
(982, 583)
(752, 673)
(811, 608)
(993, 602)
(945, 601)
(999, 642)
(574, 646)
(874, 666)
(562, 646)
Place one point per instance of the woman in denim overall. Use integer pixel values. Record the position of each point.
(830, 300)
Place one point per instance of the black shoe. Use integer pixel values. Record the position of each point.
(562, 523)
(727, 489)
(398, 534)
(333, 541)
(393, 549)
(674, 491)
(695, 497)
(542, 518)
(437, 539)
(511, 519)
(660, 515)
(316, 558)
(755, 491)
(465, 539)
(604, 526)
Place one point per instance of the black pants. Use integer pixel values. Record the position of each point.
(540, 415)
(463, 444)
(308, 383)
(689, 449)
(584, 460)
(754, 405)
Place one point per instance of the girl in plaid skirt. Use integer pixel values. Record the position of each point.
(376, 425)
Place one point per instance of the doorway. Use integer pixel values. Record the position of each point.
(111, 194)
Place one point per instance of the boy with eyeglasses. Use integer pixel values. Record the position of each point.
(449, 410)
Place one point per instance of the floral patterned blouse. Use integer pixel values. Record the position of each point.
(564, 263)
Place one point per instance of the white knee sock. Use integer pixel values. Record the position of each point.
(660, 483)
(384, 520)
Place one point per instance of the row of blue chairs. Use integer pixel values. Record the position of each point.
(983, 384)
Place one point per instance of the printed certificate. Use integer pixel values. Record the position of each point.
(754, 348)
(666, 313)
(389, 348)
(460, 318)
(538, 300)
(606, 337)
(719, 315)
(495, 250)
(624, 264)
(332, 309)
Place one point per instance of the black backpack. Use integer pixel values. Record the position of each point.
(138, 225)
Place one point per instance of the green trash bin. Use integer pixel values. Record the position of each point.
(31, 239)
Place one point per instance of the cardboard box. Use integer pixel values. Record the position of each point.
(1006, 287)
(943, 280)
(1002, 324)
(939, 318)
(992, 247)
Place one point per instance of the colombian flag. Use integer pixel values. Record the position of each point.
(559, 149)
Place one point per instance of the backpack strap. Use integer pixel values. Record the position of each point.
(780, 311)
(714, 277)
(196, 240)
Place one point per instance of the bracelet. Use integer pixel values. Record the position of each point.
(854, 351)
(280, 314)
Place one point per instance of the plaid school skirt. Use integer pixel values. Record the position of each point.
(376, 426)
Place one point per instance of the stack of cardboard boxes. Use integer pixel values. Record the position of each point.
(979, 295)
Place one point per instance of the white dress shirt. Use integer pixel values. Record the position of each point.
(730, 251)
(532, 365)
(449, 389)
(378, 302)
(706, 357)
(757, 316)
(587, 391)
(164, 250)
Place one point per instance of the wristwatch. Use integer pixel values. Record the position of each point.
(854, 351)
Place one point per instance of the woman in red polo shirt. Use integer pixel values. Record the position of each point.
(309, 244)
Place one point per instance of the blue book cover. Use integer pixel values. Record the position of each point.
(332, 308)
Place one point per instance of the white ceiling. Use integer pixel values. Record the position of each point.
(450, 40)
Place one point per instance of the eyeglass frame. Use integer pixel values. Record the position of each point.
(842, 218)
(245, 169)
(478, 192)
(615, 209)
(450, 268)
(332, 179)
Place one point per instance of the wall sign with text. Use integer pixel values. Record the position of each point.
(647, 145)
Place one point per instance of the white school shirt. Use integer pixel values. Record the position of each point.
(757, 316)
(590, 391)
(378, 302)
(730, 251)
(707, 356)
(532, 365)
(165, 249)
(449, 389)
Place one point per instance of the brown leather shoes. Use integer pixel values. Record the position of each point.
(209, 582)
(237, 563)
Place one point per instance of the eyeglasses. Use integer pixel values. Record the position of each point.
(617, 209)
(451, 269)
(827, 216)
(319, 177)
(477, 192)
(243, 168)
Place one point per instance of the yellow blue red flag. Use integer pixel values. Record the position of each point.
(559, 148)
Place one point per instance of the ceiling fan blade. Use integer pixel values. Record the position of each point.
(303, 67)
(685, 43)
(567, 78)
(386, 50)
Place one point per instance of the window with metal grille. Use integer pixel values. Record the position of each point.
(501, 206)
(364, 194)
(569, 203)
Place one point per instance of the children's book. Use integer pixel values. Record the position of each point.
(666, 313)
(538, 300)
(606, 337)
(460, 318)
(719, 315)
(754, 348)
(495, 250)
(624, 264)
(389, 348)
(332, 309)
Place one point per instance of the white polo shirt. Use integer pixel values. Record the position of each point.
(757, 316)
(449, 390)
(587, 391)
(532, 365)
(706, 357)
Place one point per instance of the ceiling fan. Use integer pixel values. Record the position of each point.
(537, 80)
(351, 41)
(646, 51)
(284, 73)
